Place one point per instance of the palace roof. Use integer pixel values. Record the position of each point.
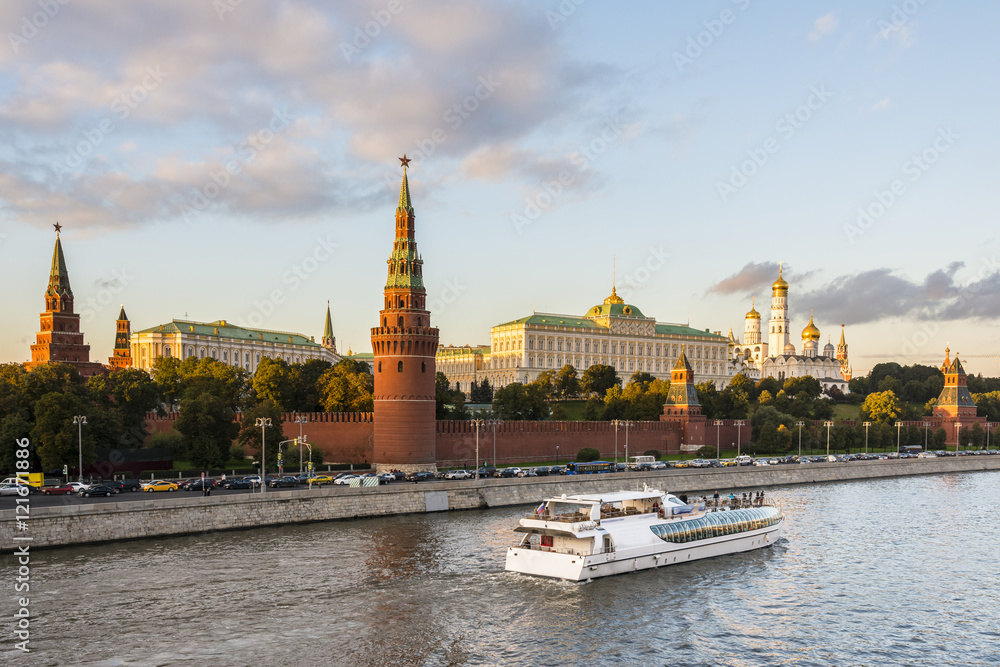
(555, 320)
(223, 329)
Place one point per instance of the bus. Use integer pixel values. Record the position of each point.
(589, 468)
(634, 462)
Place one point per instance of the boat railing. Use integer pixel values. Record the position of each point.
(573, 517)
(738, 503)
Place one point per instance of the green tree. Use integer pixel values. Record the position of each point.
(594, 409)
(13, 427)
(519, 402)
(306, 386)
(207, 427)
(708, 396)
(771, 430)
(545, 383)
(249, 433)
(274, 381)
(449, 403)
(940, 437)
(128, 395)
(588, 454)
(482, 392)
(598, 379)
(567, 384)
(56, 437)
(881, 406)
(988, 405)
(974, 437)
(347, 388)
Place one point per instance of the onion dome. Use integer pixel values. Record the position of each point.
(614, 298)
(789, 348)
(779, 285)
(810, 332)
(753, 314)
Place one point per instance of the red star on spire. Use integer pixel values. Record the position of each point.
(404, 161)
(58, 227)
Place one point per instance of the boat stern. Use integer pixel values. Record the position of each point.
(546, 564)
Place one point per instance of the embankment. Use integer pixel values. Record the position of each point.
(75, 523)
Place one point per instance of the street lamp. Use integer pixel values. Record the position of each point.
(899, 427)
(828, 424)
(617, 423)
(263, 422)
(739, 435)
(627, 424)
(988, 426)
(799, 424)
(80, 421)
(300, 420)
(926, 424)
(557, 453)
(867, 424)
(477, 423)
(494, 423)
(718, 427)
(958, 433)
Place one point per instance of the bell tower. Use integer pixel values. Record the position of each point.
(404, 346)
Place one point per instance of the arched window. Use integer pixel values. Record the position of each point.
(399, 367)
(380, 367)
(423, 367)
(400, 322)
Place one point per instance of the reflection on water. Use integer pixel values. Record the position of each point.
(887, 572)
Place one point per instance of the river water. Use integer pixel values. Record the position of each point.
(885, 572)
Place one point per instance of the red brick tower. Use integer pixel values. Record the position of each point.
(404, 347)
(59, 338)
(682, 405)
(122, 357)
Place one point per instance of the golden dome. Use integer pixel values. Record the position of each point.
(614, 298)
(810, 332)
(779, 284)
(753, 314)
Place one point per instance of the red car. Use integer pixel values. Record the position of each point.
(56, 490)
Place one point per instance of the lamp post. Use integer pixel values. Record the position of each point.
(80, 421)
(494, 423)
(477, 423)
(300, 420)
(988, 426)
(263, 422)
(828, 424)
(739, 435)
(557, 453)
(958, 433)
(899, 427)
(926, 424)
(799, 424)
(617, 423)
(718, 427)
(627, 424)
(867, 424)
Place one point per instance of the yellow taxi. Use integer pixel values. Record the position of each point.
(682, 464)
(320, 480)
(159, 485)
(728, 463)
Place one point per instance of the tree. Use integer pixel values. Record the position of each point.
(988, 405)
(347, 388)
(129, 395)
(567, 385)
(974, 436)
(481, 393)
(655, 453)
(274, 382)
(519, 402)
(207, 428)
(771, 432)
(56, 437)
(593, 410)
(708, 397)
(449, 403)
(249, 433)
(588, 454)
(305, 384)
(940, 437)
(881, 406)
(545, 383)
(598, 379)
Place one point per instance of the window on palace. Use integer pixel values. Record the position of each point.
(631, 348)
(399, 366)
(614, 348)
(550, 362)
(577, 346)
(166, 350)
(657, 366)
(586, 346)
(423, 366)
(550, 344)
(559, 345)
(531, 342)
(380, 367)
(604, 348)
(675, 350)
(630, 365)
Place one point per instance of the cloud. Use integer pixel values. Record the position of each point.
(880, 294)
(751, 279)
(823, 25)
(881, 105)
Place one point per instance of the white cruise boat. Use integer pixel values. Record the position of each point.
(595, 535)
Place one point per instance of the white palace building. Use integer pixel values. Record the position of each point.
(614, 334)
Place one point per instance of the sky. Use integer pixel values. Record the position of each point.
(237, 160)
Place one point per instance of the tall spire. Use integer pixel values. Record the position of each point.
(404, 190)
(328, 340)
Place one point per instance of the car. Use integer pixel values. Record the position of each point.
(197, 485)
(528, 472)
(286, 481)
(761, 462)
(99, 490)
(237, 483)
(557, 470)
(458, 474)
(728, 463)
(386, 478)
(13, 489)
(159, 485)
(507, 473)
(487, 471)
(542, 471)
(320, 480)
(77, 486)
(131, 484)
(682, 464)
(62, 489)
(345, 480)
(423, 476)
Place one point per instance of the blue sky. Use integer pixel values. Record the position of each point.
(237, 160)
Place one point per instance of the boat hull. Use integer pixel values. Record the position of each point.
(580, 568)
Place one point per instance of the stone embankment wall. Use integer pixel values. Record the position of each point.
(111, 522)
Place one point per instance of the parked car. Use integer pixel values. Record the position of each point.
(507, 473)
(386, 478)
(286, 481)
(682, 464)
(344, 480)
(99, 490)
(131, 484)
(114, 484)
(542, 471)
(529, 472)
(11, 489)
(458, 474)
(557, 470)
(425, 476)
(320, 480)
(62, 489)
(237, 483)
(159, 485)
(487, 471)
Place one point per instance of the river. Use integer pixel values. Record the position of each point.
(898, 571)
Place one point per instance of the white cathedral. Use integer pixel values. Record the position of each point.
(776, 357)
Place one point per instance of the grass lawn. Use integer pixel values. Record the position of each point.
(846, 411)
(574, 409)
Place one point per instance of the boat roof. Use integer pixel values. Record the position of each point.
(612, 497)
